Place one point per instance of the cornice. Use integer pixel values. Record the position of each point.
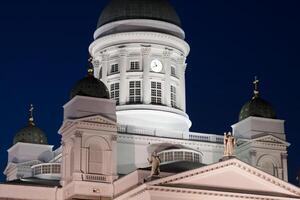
(233, 162)
(213, 193)
(140, 37)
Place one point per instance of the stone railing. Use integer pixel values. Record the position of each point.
(97, 178)
(180, 135)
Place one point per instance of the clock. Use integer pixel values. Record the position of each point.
(156, 65)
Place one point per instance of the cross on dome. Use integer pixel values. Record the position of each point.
(31, 119)
(256, 89)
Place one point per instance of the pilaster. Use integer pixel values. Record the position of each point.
(146, 74)
(167, 85)
(123, 69)
(181, 90)
(284, 166)
(105, 67)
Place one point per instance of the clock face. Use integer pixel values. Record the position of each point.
(156, 65)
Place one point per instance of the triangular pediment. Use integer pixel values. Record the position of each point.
(271, 139)
(230, 175)
(95, 119)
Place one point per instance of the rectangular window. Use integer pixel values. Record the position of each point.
(55, 169)
(178, 155)
(188, 156)
(173, 71)
(196, 157)
(134, 65)
(169, 156)
(173, 96)
(156, 93)
(46, 169)
(135, 94)
(115, 92)
(114, 68)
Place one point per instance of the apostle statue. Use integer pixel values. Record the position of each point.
(229, 144)
(155, 162)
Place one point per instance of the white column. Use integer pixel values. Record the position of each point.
(105, 68)
(63, 163)
(181, 90)
(167, 82)
(77, 152)
(146, 75)
(123, 69)
(284, 166)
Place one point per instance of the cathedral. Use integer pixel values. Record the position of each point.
(125, 131)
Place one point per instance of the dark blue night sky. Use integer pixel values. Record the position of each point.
(43, 52)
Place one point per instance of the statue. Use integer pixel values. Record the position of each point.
(155, 162)
(229, 144)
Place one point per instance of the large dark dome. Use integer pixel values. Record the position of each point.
(139, 9)
(91, 87)
(257, 107)
(31, 134)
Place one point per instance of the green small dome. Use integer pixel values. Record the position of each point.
(257, 107)
(91, 87)
(31, 134)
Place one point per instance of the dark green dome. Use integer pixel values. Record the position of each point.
(160, 10)
(257, 107)
(91, 87)
(31, 134)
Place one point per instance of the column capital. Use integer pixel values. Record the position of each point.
(167, 53)
(181, 60)
(78, 133)
(105, 56)
(146, 50)
(284, 155)
(253, 152)
(123, 52)
(114, 138)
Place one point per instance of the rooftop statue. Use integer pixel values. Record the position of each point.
(155, 162)
(229, 144)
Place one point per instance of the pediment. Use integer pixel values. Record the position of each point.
(271, 139)
(230, 175)
(96, 119)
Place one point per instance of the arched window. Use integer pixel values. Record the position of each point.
(267, 164)
(98, 160)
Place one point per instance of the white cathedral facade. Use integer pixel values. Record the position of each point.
(131, 105)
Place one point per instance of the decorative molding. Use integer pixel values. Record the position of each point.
(140, 37)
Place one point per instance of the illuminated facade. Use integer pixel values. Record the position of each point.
(132, 105)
